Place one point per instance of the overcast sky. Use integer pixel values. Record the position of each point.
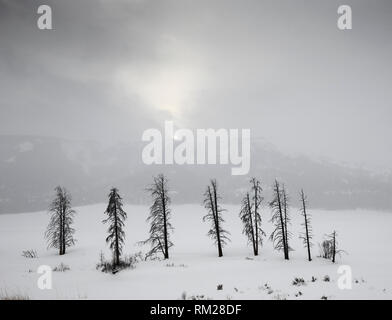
(111, 69)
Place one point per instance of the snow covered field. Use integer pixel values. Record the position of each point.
(194, 268)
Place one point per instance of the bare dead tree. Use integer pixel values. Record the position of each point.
(278, 236)
(159, 218)
(247, 220)
(334, 246)
(286, 217)
(257, 199)
(59, 232)
(116, 218)
(214, 214)
(307, 235)
(251, 218)
(329, 248)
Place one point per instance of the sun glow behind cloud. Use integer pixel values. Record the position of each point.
(170, 83)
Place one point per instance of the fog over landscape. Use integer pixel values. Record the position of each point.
(75, 100)
(31, 167)
(195, 150)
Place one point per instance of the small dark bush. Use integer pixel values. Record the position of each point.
(127, 262)
(61, 268)
(267, 286)
(326, 249)
(32, 254)
(298, 282)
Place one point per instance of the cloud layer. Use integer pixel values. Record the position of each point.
(111, 69)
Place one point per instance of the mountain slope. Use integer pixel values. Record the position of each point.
(30, 167)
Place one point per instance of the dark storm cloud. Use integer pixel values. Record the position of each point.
(281, 68)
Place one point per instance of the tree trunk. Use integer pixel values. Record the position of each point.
(251, 226)
(64, 211)
(286, 255)
(116, 249)
(307, 240)
(334, 247)
(285, 227)
(216, 214)
(164, 220)
(256, 251)
(307, 237)
(306, 225)
(61, 232)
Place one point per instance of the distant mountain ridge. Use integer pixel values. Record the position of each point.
(30, 168)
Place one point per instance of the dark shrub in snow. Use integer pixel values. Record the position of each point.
(127, 262)
(299, 282)
(61, 268)
(29, 254)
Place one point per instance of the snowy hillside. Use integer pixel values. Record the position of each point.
(194, 268)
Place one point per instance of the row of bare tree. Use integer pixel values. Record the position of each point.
(60, 234)
(251, 218)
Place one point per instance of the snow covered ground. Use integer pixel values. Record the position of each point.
(194, 268)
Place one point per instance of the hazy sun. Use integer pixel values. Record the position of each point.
(167, 88)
